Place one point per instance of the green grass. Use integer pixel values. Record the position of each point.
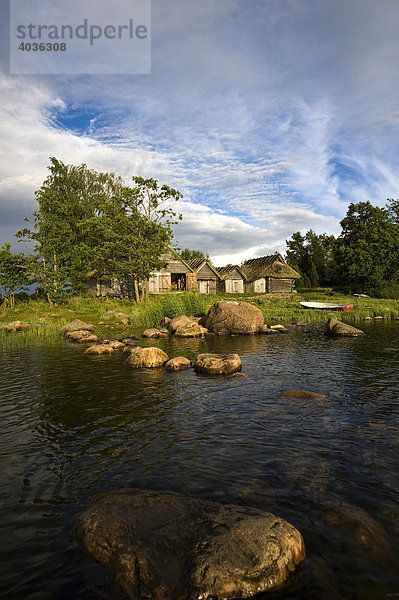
(94, 310)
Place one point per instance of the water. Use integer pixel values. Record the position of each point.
(73, 425)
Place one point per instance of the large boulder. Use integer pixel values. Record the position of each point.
(337, 328)
(76, 325)
(217, 364)
(164, 546)
(177, 322)
(146, 357)
(81, 337)
(229, 317)
(191, 329)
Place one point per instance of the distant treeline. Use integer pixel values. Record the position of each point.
(363, 258)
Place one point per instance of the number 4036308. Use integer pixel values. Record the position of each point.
(42, 47)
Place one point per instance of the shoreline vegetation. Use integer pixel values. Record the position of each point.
(103, 313)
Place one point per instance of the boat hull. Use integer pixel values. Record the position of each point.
(326, 306)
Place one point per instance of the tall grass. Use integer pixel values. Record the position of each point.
(150, 314)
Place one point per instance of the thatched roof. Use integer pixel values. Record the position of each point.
(273, 265)
(224, 272)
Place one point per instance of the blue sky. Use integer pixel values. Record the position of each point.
(270, 116)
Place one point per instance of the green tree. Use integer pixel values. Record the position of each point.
(188, 255)
(15, 272)
(367, 250)
(313, 255)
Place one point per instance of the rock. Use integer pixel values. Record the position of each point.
(277, 326)
(13, 326)
(115, 344)
(146, 357)
(337, 328)
(300, 323)
(379, 318)
(164, 546)
(154, 333)
(100, 349)
(302, 394)
(178, 322)
(192, 329)
(130, 341)
(178, 364)
(217, 364)
(165, 321)
(368, 318)
(228, 317)
(267, 331)
(390, 350)
(81, 337)
(76, 325)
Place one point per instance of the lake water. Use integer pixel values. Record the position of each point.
(73, 425)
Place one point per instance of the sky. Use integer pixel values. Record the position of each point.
(270, 116)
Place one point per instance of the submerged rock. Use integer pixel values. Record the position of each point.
(130, 341)
(302, 394)
(76, 325)
(100, 349)
(337, 328)
(228, 317)
(217, 364)
(164, 546)
(146, 357)
(178, 364)
(153, 333)
(115, 344)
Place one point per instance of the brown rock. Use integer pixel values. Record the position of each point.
(100, 349)
(115, 344)
(146, 357)
(13, 326)
(76, 325)
(192, 329)
(165, 546)
(178, 364)
(81, 337)
(217, 364)
(379, 318)
(165, 321)
(153, 333)
(178, 322)
(229, 317)
(130, 341)
(302, 394)
(390, 350)
(337, 328)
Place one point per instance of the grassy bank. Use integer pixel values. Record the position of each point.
(46, 320)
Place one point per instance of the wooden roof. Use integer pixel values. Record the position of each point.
(272, 265)
(224, 272)
(197, 263)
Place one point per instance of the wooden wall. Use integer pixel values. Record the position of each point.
(274, 285)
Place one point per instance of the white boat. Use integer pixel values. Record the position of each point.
(326, 306)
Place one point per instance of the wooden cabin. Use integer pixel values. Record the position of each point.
(232, 280)
(269, 274)
(207, 276)
(176, 276)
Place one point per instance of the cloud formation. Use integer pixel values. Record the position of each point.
(269, 117)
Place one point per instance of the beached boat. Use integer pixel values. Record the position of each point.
(326, 305)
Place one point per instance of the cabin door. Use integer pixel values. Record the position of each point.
(203, 287)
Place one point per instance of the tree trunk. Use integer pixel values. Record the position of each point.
(142, 290)
(98, 287)
(136, 290)
(147, 289)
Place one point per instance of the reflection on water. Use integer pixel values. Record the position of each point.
(73, 425)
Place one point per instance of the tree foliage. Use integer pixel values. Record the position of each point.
(312, 256)
(15, 272)
(90, 224)
(188, 255)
